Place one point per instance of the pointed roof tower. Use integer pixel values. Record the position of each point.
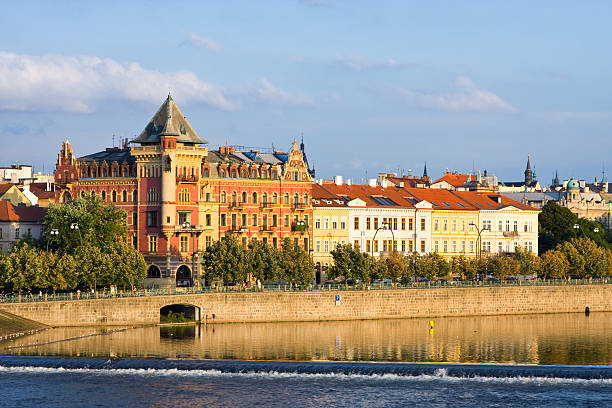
(169, 121)
(556, 179)
(425, 171)
(528, 173)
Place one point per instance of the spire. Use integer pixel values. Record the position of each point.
(302, 144)
(425, 171)
(556, 179)
(528, 172)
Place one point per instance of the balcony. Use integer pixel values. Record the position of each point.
(194, 228)
(511, 233)
(266, 206)
(299, 226)
(236, 205)
(237, 229)
(299, 207)
(186, 179)
(265, 228)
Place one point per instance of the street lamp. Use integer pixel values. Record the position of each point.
(478, 240)
(52, 233)
(382, 226)
(75, 226)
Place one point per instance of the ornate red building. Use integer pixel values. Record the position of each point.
(180, 197)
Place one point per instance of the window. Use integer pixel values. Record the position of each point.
(410, 247)
(508, 225)
(244, 220)
(403, 224)
(356, 244)
(17, 233)
(530, 246)
(368, 245)
(471, 246)
(305, 199)
(151, 218)
(184, 196)
(274, 220)
(436, 246)
(445, 226)
(135, 218)
(395, 223)
(486, 225)
(184, 243)
(375, 223)
(445, 246)
(286, 220)
(207, 197)
(222, 173)
(244, 197)
(375, 245)
(422, 224)
(274, 242)
(462, 225)
(422, 245)
(152, 243)
(0, 232)
(124, 196)
(500, 225)
(152, 195)
(403, 245)
(334, 222)
(286, 198)
(208, 220)
(223, 197)
(254, 220)
(318, 245)
(515, 226)
(454, 246)
(274, 198)
(486, 246)
(254, 198)
(356, 223)
(318, 223)
(234, 220)
(182, 218)
(208, 242)
(462, 246)
(326, 245)
(454, 225)
(368, 223)
(233, 173)
(326, 223)
(410, 224)
(104, 196)
(500, 247)
(135, 196)
(223, 220)
(296, 199)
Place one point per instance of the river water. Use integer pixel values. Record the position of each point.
(532, 360)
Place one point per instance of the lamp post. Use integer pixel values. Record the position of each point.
(75, 226)
(382, 226)
(577, 227)
(194, 255)
(52, 233)
(478, 240)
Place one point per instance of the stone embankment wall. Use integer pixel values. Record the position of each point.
(315, 306)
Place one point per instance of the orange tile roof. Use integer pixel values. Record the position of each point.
(440, 199)
(10, 212)
(489, 200)
(370, 194)
(455, 179)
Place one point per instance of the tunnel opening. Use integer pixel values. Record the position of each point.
(179, 314)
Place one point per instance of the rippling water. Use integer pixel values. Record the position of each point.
(538, 360)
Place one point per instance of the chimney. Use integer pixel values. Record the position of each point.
(401, 184)
(372, 182)
(338, 180)
(499, 199)
(384, 183)
(349, 182)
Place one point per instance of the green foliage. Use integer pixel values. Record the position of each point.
(556, 225)
(99, 225)
(264, 261)
(554, 265)
(226, 259)
(296, 265)
(172, 317)
(396, 266)
(351, 263)
(586, 259)
(529, 263)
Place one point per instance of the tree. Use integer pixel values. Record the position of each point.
(343, 262)
(99, 225)
(529, 263)
(264, 261)
(465, 267)
(129, 266)
(595, 263)
(396, 266)
(296, 265)
(23, 267)
(226, 259)
(504, 266)
(554, 265)
(94, 268)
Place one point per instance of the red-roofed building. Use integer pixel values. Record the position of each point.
(18, 222)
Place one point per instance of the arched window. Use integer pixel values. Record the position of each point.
(104, 196)
(233, 173)
(264, 174)
(207, 197)
(244, 197)
(93, 194)
(244, 174)
(273, 174)
(254, 173)
(83, 194)
(135, 196)
(223, 197)
(114, 172)
(153, 272)
(254, 198)
(286, 198)
(234, 197)
(264, 198)
(114, 195)
(125, 172)
(104, 172)
(205, 172)
(222, 173)
(93, 172)
(296, 175)
(184, 196)
(124, 194)
(306, 199)
(296, 198)
(274, 198)
(84, 173)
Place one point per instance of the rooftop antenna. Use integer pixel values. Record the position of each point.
(113, 140)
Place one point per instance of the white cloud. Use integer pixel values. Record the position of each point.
(203, 43)
(78, 84)
(267, 91)
(361, 63)
(466, 97)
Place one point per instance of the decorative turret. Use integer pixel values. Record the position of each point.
(425, 171)
(555, 181)
(528, 173)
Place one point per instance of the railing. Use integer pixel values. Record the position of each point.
(284, 287)
(186, 179)
(265, 206)
(299, 207)
(299, 227)
(511, 233)
(235, 205)
(265, 228)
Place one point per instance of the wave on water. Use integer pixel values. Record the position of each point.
(478, 373)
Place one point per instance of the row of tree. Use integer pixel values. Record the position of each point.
(229, 261)
(578, 257)
(84, 247)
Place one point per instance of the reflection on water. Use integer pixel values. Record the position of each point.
(537, 339)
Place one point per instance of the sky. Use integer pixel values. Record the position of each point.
(371, 86)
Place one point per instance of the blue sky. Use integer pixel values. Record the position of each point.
(372, 86)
